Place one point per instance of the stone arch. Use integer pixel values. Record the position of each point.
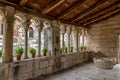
(20, 20)
(47, 24)
(35, 21)
(35, 24)
(20, 17)
(2, 18)
(2, 15)
(19, 28)
(62, 28)
(2, 25)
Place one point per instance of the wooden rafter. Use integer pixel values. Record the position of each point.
(35, 13)
(23, 2)
(87, 10)
(71, 8)
(95, 9)
(27, 10)
(52, 6)
(102, 12)
(103, 17)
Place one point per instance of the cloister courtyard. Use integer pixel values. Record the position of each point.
(59, 39)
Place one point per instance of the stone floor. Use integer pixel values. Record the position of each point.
(86, 72)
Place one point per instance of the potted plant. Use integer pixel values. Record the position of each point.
(19, 52)
(65, 49)
(32, 52)
(81, 48)
(71, 48)
(0, 53)
(61, 50)
(85, 48)
(44, 50)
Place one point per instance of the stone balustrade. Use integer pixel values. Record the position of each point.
(32, 68)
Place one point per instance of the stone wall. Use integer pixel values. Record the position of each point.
(40, 66)
(104, 36)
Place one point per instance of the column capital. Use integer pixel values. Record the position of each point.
(26, 25)
(62, 29)
(84, 31)
(35, 21)
(79, 31)
(68, 30)
(75, 30)
(2, 16)
(55, 23)
(9, 13)
(47, 24)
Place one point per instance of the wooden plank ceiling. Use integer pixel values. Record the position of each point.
(79, 12)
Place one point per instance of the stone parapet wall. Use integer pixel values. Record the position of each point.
(33, 68)
(71, 59)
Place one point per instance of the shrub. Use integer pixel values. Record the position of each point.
(32, 51)
(19, 51)
(71, 47)
(65, 48)
(81, 46)
(0, 53)
(85, 47)
(44, 50)
(61, 49)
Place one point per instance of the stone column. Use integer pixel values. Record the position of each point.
(68, 33)
(79, 34)
(63, 43)
(75, 32)
(26, 26)
(83, 36)
(39, 43)
(39, 39)
(56, 45)
(62, 31)
(8, 35)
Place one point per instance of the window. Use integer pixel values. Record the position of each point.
(31, 32)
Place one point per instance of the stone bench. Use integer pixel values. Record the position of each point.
(103, 62)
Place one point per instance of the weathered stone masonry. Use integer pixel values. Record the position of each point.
(104, 36)
(33, 68)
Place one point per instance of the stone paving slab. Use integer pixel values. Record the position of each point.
(85, 72)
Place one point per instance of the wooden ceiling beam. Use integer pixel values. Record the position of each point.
(101, 12)
(52, 6)
(103, 17)
(87, 10)
(27, 10)
(71, 9)
(32, 12)
(23, 2)
(97, 7)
